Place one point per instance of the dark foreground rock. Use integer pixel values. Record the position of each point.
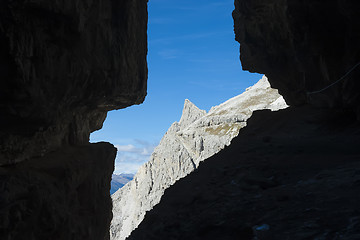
(303, 47)
(63, 195)
(63, 66)
(286, 176)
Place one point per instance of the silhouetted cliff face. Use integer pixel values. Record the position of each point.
(303, 47)
(63, 65)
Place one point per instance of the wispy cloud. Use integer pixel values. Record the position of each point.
(126, 148)
(169, 53)
(126, 167)
(131, 156)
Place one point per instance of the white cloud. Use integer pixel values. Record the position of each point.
(131, 156)
(126, 148)
(144, 150)
(126, 167)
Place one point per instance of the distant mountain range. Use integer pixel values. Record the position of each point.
(119, 180)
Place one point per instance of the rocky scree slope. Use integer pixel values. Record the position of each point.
(197, 136)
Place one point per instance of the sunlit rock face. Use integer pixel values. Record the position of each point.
(287, 175)
(197, 136)
(63, 65)
(303, 46)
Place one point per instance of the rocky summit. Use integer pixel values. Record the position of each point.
(197, 136)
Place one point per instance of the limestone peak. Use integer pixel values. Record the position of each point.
(190, 114)
(197, 136)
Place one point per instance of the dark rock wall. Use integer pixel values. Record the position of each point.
(63, 65)
(303, 46)
(64, 195)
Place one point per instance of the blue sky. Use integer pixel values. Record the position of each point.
(192, 55)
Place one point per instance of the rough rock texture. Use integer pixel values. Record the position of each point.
(196, 137)
(290, 174)
(303, 46)
(63, 195)
(63, 65)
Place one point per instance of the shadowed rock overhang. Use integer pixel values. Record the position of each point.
(63, 65)
(303, 47)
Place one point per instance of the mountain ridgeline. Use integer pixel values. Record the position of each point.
(197, 136)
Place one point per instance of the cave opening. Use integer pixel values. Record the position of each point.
(65, 64)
